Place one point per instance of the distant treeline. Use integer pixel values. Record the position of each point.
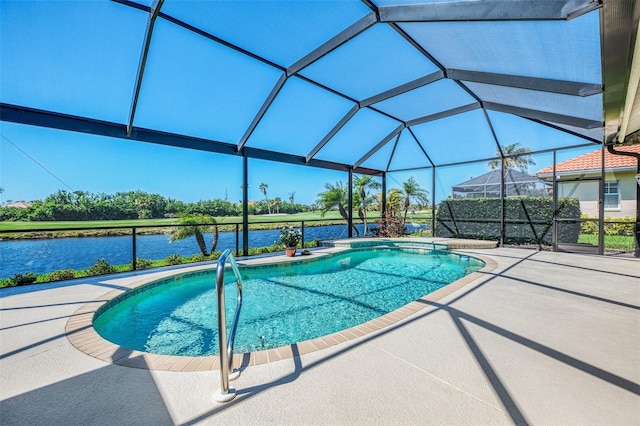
(82, 205)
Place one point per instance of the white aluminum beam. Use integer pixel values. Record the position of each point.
(618, 28)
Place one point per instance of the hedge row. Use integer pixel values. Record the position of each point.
(528, 220)
(623, 226)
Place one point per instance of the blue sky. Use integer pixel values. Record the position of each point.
(35, 162)
(81, 58)
(40, 161)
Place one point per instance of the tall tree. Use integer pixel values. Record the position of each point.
(277, 202)
(362, 185)
(263, 188)
(395, 202)
(334, 196)
(512, 156)
(291, 197)
(413, 193)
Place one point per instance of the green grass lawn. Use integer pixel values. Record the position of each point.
(614, 242)
(26, 226)
(274, 218)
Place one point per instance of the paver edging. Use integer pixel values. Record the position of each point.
(83, 336)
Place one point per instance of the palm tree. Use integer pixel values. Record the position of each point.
(413, 193)
(334, 196)
(395, 202)
(291, 197)
(361, 187)
(196, 228)
(277, 202)
(263, 188)
(512, 156)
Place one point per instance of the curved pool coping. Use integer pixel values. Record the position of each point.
(82, 335)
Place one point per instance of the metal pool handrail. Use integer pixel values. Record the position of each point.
(225, 394)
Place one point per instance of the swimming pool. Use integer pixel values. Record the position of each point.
(282, 304)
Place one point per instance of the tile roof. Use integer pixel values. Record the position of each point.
(19, 204)
(593, 161)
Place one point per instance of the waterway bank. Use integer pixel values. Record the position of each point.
(146, 230)
(48, 255)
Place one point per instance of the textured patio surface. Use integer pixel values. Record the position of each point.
(543, 338)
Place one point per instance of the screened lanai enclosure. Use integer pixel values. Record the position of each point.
(374, 87)
(493, 184)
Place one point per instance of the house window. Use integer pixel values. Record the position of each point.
(611, 195)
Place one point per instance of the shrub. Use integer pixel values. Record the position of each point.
(19, 279)
(102, 267)
(62, 274)
(588, 227)
(198, 258)
(390, 226)
(314, 243)
(202, 258)
(624, 229)
(173, 259)
(142, 264)
(267, 249)
(612, 226)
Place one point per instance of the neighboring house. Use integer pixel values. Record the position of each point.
(619, 181)
(19, 204)
(488, 185)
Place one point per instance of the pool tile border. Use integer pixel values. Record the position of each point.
(81, 334)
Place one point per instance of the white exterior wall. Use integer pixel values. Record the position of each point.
(587, 193)
(627, 187)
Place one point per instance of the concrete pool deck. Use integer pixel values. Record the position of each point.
(543, 338)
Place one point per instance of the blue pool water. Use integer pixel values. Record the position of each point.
(281, 304)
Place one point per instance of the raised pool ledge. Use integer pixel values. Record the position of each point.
(411, 242)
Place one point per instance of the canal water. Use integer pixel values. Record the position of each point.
(48, 255)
